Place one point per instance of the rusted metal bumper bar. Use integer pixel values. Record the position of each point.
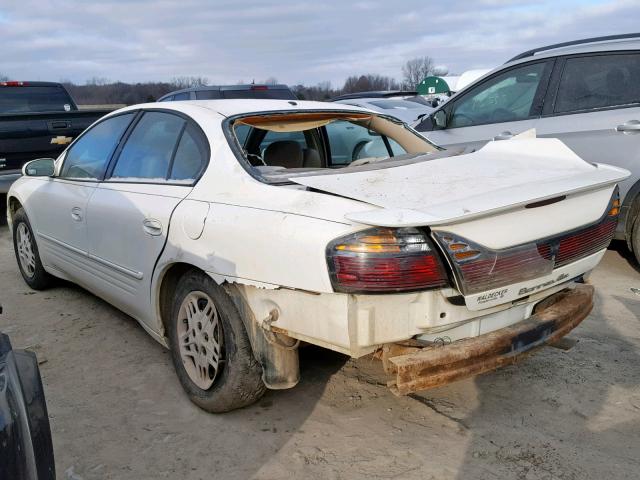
(432, 366)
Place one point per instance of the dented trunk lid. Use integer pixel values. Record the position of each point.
(499, 177)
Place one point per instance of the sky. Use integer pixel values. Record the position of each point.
(293, 41)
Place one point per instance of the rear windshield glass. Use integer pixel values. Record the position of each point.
(34, 99)
(278, 146)
(270, 94)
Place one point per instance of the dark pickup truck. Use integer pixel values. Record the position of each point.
(37, 120)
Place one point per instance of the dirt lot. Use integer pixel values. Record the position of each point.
(118, 412)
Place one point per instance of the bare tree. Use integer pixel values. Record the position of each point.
(271, 81)
(188, 82)
(369, 82)
(415, 70)
(3, 78)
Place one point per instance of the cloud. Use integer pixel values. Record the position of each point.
(296, 42)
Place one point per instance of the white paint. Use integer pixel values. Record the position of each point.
(271, 240)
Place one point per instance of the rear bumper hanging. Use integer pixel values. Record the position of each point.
(420, 368)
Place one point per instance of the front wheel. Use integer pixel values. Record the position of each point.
(210, 348)
(27, 255)
(635, 238)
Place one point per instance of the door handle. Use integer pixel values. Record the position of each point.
(632, 126)
(152, 226)
(503, 136)
(76, 214)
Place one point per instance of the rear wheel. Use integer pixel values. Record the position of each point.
(27, 255)
(210, 348)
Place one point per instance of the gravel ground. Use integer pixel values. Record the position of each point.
(118, 412)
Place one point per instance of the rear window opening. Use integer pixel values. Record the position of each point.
(278, 146)
(30, 99)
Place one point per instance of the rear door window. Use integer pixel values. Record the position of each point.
(599, 81)
(148, 151)
(88, 157)
(190, 157)
(506, 97)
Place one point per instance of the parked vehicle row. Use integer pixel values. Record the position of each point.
(234, 229)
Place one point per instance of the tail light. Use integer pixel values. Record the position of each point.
(382, 260)
(480, 269)
(13, 84)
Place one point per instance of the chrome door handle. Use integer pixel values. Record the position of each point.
(152, 226)
(632, 126)
(76, 214)
(503, 136)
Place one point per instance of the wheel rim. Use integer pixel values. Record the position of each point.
(200, 338)
(25, 250)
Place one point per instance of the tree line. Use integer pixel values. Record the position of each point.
(100, 91)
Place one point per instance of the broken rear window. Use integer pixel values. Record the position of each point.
(281, 145)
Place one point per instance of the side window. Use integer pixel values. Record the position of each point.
(207, 94)
(349, 142)
(89, 156)
(148, 151)
(181, 96)
(167, 99)
(190, 157)
(599, 81)
(506, 97)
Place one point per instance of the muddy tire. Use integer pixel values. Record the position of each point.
(210, 348)
(27, 255)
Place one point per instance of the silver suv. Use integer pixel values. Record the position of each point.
(585, 92)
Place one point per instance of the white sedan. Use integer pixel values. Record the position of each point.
(233, 230)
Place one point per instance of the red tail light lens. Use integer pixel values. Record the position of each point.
(480, 269)
(13, 84)
(385, 260)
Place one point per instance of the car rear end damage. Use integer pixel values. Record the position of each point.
(418, 367)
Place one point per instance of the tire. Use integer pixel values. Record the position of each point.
(635, 238)
(214, 361)
(27, 255)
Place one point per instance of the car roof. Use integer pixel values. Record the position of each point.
(243, 86)
(229, 108)
(629, 41)
(377, 94)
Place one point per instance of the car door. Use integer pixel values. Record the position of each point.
(58, 204)
(505, 104)
(594, 108)
(128, 215)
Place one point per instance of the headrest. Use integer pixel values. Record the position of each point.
(284, 153)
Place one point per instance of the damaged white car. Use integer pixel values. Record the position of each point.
(234, 230)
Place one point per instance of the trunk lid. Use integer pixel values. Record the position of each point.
(501, 176)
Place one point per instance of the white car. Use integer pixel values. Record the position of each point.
(229, 230)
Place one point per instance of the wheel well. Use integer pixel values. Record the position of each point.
(632, 216)
(168, 286)
(14, 206)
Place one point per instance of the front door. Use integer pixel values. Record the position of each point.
(58, 204)
(498, 108)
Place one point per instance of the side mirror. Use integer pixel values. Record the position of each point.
(440, 119)
(40, 167)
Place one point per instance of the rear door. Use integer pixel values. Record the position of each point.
(129, 214)
(594, 107)
(58, 204)
(505, 104)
